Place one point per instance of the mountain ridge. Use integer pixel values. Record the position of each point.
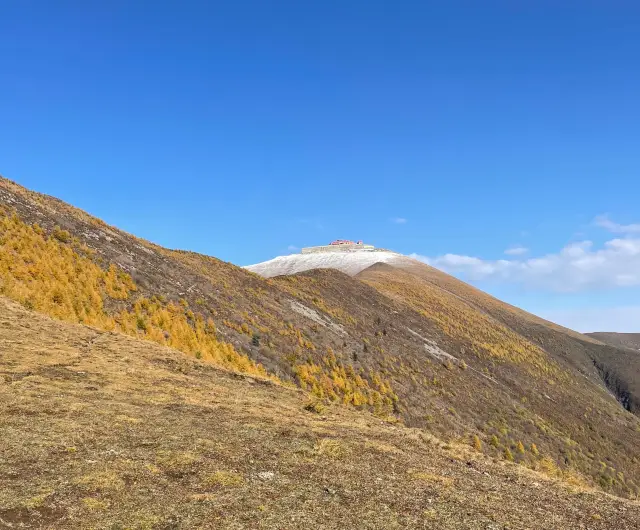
(621, 340)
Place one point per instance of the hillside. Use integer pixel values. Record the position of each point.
(397, 339)
(619, 340)
(101, 430)
(585, 353)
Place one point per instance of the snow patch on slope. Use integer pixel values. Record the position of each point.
(435, 350)
(316, 317)
(350, 263)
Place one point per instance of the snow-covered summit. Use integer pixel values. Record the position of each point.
(348, 262)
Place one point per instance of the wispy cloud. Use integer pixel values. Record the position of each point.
(292, 248)
(516, 250)
(576, 267)
(399, 220)
(603, 221)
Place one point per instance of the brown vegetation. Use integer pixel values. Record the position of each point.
(100, 430)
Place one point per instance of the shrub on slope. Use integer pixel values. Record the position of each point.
(56, 275)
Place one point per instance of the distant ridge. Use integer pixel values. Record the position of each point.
(620, 340)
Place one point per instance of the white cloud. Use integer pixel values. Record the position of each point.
(292, 248)
(399, 220)
(603, 221)
(517, 250)
(625, 319)
(576, 267)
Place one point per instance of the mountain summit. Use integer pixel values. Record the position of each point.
(348, 258)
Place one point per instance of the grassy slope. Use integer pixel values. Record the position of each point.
(102, 430)
(602, 355)
(622, 340)
(563, 405)
(600, 360)
(358, 342)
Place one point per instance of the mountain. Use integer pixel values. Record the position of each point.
(377, 332)
(619, 340)
(350, 263)
(101, 430)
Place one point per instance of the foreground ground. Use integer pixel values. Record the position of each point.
(103, 431)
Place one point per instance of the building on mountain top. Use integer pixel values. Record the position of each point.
(339, 245)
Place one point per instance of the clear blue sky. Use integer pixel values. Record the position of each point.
(239, 129)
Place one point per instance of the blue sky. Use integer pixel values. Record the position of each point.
(243, 129)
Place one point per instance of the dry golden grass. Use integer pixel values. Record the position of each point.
(330, 448)
(222, 478)
(431, 478)
(100, 430)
